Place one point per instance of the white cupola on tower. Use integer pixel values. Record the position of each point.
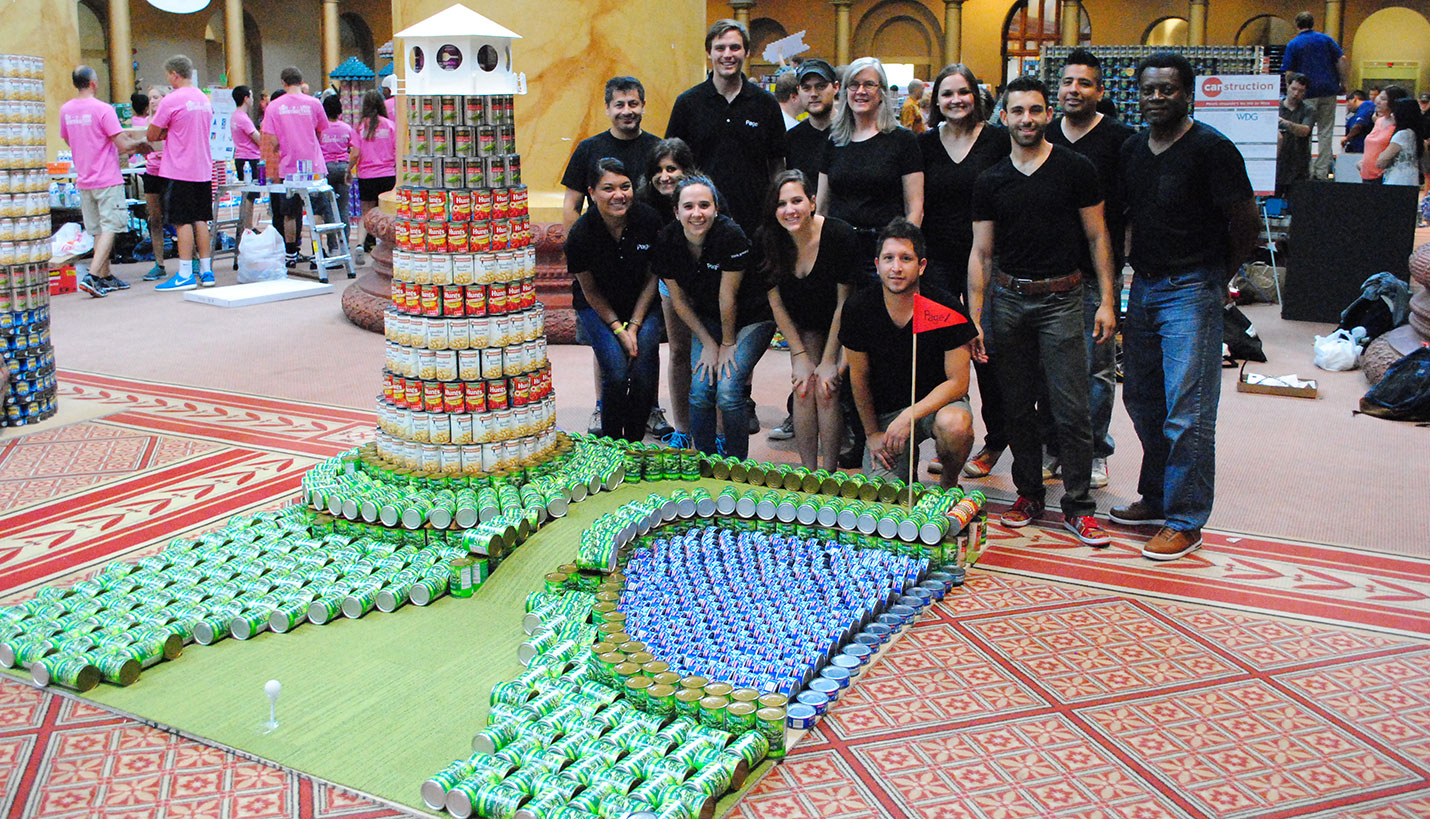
(458, 51)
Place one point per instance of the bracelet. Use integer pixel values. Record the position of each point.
(723, 344)
(801, 352)
(633, 324)
(614, 325)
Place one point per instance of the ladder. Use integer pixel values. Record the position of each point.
(324, 260)
(218, 228)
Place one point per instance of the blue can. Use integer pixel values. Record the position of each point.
(835, 674)
(800, 717)
(816, 700)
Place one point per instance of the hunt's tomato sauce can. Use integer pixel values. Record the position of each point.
(476, 300)
(475, 393)
(461, 206)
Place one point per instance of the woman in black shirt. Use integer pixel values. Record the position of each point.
(810, 265)
(959, 145)
(871, 171)
(608, 255)
(702, 258)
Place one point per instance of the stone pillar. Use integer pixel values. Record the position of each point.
(1197, 23)
(330, 42)
(841, 31)
(952, 31)
(1070, 13)
(742, 11)
(121, 55)
(234, 43)
(1332, 24)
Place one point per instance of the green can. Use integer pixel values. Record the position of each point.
(461, 580)
(712, 711)
(770, 722)
(432, 586)
(117, 668)
(660, 700)
(751, 747)
(73, 671)
(249, 624)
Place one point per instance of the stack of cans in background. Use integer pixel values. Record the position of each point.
(29, 357)
(467, 386)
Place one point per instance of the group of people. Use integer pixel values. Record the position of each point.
(1003, 242)
(178, 170)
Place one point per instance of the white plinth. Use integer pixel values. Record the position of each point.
(244, 295)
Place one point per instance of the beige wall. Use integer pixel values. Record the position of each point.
(44, 28)
(568, 51)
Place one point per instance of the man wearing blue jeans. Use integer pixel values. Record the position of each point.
(1191, 221)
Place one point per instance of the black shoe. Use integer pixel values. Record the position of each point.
(112, 282)
(754, 425)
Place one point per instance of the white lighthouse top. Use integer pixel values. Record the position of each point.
(457, 21)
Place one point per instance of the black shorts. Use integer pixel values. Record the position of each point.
(155, 184)
(189, 202)
(251, 164)
(370, 189)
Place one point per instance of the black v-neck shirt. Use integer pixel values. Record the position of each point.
(810, 300)
(948, 193)
(1037, 231)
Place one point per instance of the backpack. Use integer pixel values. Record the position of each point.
(1404, 393)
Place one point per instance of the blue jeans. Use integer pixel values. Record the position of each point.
(1172, 340)
(628, 385)
(728, 394)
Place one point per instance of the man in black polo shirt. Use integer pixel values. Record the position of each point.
(1192, 220)
(1040, 210)
(735, 129)
(877, 331)
(624, 140)
(818, 86)
(1099, 138)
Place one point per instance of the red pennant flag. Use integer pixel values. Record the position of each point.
(930, 315)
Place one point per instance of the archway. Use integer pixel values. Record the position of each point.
(94, 45)
(1032, 24)
(1168, 31)
(901, 32)
(355, 39)
(1265, 30)
(215, 65)
(763, 31)
(1392, 46)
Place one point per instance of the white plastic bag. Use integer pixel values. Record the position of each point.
(70, 240)
(260, 256)
(1337, 351)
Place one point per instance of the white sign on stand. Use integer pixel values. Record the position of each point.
(1245, 107)
(220, 136)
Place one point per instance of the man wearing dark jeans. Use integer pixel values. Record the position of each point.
(1040, 210)
(292, 128)
(1192, 221)
(1099, 138)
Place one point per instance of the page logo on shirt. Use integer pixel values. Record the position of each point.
(752, 124)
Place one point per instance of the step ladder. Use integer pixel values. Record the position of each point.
(219, 186)
(323, 260)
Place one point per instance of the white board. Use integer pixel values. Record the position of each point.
(220, 135)
(244, 295)
(1244, 107)
(784, 48)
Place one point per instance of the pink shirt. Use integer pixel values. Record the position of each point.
(1376, 142)
(391, 103)
(241, 126)
(89, 125)
(378, 155)
(297, 120)
(153, 159)
(188, 115)
(335, 141)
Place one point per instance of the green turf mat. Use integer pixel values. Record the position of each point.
(377, 704)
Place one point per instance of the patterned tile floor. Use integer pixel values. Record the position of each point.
(1259, 679)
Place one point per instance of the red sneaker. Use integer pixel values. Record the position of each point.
(1087, 530)
(1022, 512)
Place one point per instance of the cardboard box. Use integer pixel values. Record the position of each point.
(1274, 387)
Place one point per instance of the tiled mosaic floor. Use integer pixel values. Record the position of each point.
(1257, 679)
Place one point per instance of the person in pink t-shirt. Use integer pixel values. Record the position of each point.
(292, 128)
(183, 121)
(376, 168)
(247, 146)
(92, 130)
(339, 151)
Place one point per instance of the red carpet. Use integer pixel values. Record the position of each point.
(1258, 678)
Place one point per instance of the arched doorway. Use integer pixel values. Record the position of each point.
(94, 45)
(1392, 46)
(1265, 30)
(1032, 24)
(1168, 31)
(763, 31)
(901, 32)
(355, 39)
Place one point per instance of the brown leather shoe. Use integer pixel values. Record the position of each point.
(1170, 544)
(1137, 513)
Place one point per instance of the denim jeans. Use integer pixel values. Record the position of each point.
(1172, 381)
(1101, 389)
(1045, 331)
(628, 385)
(728, 394)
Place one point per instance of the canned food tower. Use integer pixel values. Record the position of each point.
(466, 385)
(28, 388)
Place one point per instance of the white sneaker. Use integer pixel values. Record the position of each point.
(1099, 473)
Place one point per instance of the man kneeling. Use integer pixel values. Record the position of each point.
(877, 331)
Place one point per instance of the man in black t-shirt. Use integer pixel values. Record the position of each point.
(1099, 138)
(624, 140)
(876, 330)
(1040, 209)
(1192, 220)
(735, 128)
(818, 86)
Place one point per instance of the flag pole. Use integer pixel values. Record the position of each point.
(913, 399)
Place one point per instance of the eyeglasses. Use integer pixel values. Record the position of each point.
(866, 85)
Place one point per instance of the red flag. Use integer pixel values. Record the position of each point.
(930, 315)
